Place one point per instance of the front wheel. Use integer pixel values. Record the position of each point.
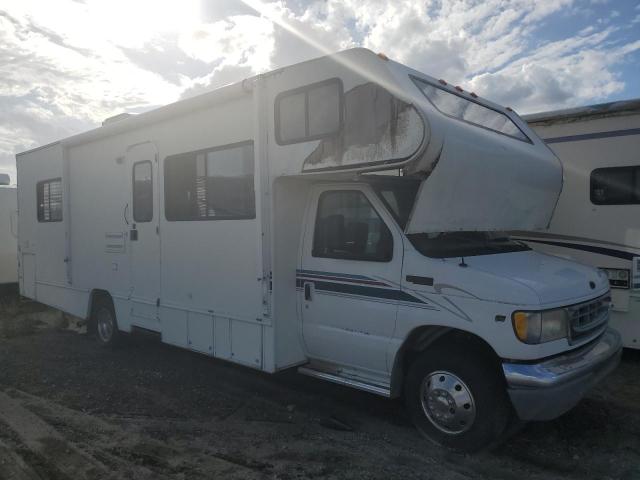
(457, 400)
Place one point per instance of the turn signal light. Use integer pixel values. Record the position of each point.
(520, 324)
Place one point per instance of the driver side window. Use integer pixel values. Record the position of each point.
(348, 227)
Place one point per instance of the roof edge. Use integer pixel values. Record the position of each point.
(597, 110)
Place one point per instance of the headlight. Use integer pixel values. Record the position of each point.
(540, 327)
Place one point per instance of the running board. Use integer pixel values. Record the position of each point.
(349, 382)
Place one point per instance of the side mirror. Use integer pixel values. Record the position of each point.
(5, 179)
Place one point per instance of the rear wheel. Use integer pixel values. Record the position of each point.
(103, 322)
(457, 399)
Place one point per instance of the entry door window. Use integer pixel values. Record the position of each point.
(142, 192)
(348, 227)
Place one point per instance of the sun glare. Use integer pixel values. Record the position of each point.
(136, 22)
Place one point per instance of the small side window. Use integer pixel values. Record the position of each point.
(349, 228)
(49, 198)
(142, 192)
(456, 106)
(615, 186)
(309, 113)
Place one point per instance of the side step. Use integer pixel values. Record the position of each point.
(349, 382)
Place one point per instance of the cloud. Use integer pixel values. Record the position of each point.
(67, 65)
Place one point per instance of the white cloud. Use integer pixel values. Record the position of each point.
(66, 65)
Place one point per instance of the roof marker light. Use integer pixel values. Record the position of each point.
(459, 88)
(442, 82)
(509, 109)
(473, 95)
(383, 56)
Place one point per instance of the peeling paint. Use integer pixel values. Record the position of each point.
(378, 128)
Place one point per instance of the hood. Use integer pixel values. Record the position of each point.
(553, 279)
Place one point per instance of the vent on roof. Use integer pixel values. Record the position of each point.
(5, 179)
(116, 118)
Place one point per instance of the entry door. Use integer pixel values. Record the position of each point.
(348, 280)
(144, 239)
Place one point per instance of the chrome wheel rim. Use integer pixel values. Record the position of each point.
(447, 402)
(105, 325)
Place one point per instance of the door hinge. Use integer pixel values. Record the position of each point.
(157, 302)
(157, 230)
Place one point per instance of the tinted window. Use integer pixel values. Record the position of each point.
(212, 184)
(399, 198)
(309, 113)
(347, 227)
(324, 109)
(615, 186)
(49, 197)
(469, 111)
(292, 115)
(142, 192)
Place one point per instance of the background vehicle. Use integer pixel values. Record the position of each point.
(242, 224)
(597, 220)
(8, 233)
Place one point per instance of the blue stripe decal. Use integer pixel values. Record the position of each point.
(361, 290)
(367, 291)
(591, 136)
(588, 248)
(330, 274)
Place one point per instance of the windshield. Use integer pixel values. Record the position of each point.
(464, 244)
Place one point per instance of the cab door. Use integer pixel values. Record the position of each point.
(144, 238)
(349, 278)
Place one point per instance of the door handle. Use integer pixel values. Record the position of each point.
(307, 291)
(124, 213)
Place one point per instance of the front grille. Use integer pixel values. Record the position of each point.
(589, 318)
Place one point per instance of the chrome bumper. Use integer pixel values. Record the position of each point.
(546, 390)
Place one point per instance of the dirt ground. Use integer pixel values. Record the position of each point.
(72, 411)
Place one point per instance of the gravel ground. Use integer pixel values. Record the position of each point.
(72, 411)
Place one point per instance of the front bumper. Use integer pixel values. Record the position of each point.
(546, 390)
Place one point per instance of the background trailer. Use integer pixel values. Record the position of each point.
(8, 233)
(597, 220)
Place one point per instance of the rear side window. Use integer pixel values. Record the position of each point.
(348, 227)
(49, 198)
(142, 192)
(615, 186)
(463, 109)
(211, 184)
(309, 113)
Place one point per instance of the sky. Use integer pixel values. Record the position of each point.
(66, 65)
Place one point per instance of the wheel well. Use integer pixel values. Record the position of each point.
(95, 295)
(425, 337)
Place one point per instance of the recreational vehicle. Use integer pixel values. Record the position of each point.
(597, 220)
(246, 224)
(8, 233)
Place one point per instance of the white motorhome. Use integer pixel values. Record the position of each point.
(243, 224)
(597, 220)
(8, 233)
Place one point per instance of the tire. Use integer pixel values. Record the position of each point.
(104, 324)
(457, 398)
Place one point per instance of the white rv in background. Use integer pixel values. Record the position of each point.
(243, 224)
(8, 232)
(597, 220)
